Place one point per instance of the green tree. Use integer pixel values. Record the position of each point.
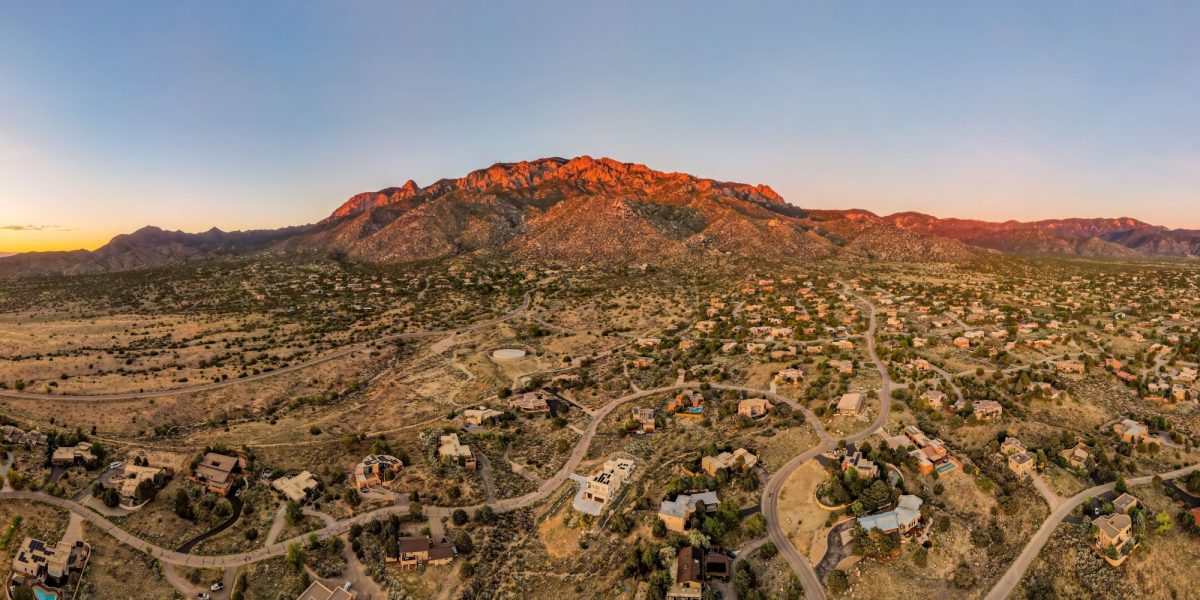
(294, 512)
(296, 557)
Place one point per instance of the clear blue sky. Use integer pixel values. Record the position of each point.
(263, 114)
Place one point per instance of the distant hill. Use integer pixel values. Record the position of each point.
(601, 210)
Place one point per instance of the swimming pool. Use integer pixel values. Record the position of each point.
(44, 595)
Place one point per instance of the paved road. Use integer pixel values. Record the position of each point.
(1016, 571)
(814, 589)
(351, 349)
(340, 527)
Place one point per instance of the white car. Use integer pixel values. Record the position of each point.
(116, 465)
(203, 596)
(218, 586)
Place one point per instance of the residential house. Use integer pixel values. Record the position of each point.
(753, 407)
(218, 472)
(1021, 463)
(935, 398)
(14, 436)
(318, 591)
(1011, 446)
(644, 418)
(128, 481)
(450, 448)
(78, 454)
(296, 487)
(687, 404)
(479, 416)
(861, 465)
(420, 550)
(676, 513)
(1078, 456)
(642, 362)
(376, 469)
(38, 562)
(844, 367)
(789, 376)
(987, 410)
(727, 460)
(1133, 432)
(530, 402)
(603, 486)
(689, 575)
(1114, 531)
(851, 404)
(903, 519)
(1125, 503)
(1070, 366)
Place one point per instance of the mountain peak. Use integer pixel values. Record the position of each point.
(597, 175)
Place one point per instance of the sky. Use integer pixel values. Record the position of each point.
(245, 115)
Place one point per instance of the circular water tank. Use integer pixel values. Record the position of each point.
(508, 354)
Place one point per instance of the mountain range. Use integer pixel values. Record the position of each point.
(601, 210)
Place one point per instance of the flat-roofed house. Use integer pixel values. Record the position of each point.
(1133, 432)
(675, 513)
(1021, 463)
(376, 469)
(727, 460)
(479, 416)
(78, 454)
(38, 562)
(530, 402)
(935, 398)
(603, 486)
(1114, 531)
(318, 591)
(754, 407)
(861, 465)
(296, 487)
(851, 404)
(644, 418)
(1078, 456)
(987, 410)
(789, 376)
(218, 472)
(1125, 503)
(420, 550)
(130, 478)
(451, 449)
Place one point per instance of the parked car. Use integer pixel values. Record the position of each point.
(116, 465)
(218, 586)
(203, 596)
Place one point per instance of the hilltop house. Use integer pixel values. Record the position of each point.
(1125, 503)
(218, 472)
(296, 487)
(451, 449)
(1133, 432)
(14, 436)
(675, 513)
(376, 469)
(1021, 463)
(935, 398)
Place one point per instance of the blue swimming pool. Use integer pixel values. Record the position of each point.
(44, 595)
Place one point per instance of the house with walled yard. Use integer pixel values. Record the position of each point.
(37, 563)
(902, 519)
(1078, 456)
(688, 404)
(987, 410)
(789, 376)
(604, 486)
(78, 454)
(1114, 537)
(420, 550)
(689, 575)
(319, 591)
(376, 469)
(530, 402)
(298, 487)
(479, 416)
(727, 460)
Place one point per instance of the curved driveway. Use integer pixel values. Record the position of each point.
(347, 350)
